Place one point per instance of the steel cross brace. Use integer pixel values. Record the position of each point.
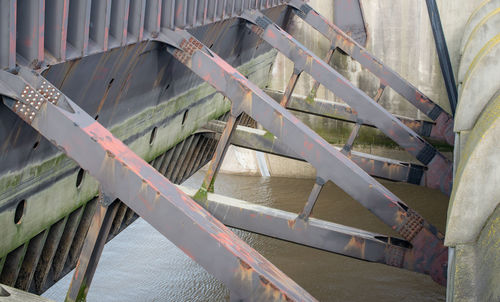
(376, 166)
(387, 76)
(310, 232)
(440, 168)
(330, 163)
(340, 111)
(92, 248)
(126, 176)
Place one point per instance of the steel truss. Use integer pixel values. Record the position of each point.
(331, 164)
(122, 174)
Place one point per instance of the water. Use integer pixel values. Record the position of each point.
(141, 265)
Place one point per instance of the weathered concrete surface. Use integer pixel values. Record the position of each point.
(476, 193)
(10, 294)
(480, 12)
(399, 34)
(473, 227)
(486, 30)
(477, 265)
(479, 86)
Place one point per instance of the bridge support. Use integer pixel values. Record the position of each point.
(126, 176)
(92, 248)
(440, 168)
(387, 76)
(427, 242)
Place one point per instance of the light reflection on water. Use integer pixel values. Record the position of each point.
(141, 265)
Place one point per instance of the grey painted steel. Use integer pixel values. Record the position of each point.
(8, 33)
(440, 168)
(348, 16)
(376, 166)
(443, 55)
(92, 248)
(341, 111)
(99, 23)
(125, 175)
(30, 32)
(310, 232)
(73, 29)
(78, 28)
(329, 162)
(220, 152)
(56, 27)
(386, 75)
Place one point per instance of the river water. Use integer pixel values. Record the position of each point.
(141, 265)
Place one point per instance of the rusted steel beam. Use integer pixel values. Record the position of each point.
(92, 248)
(126, 176)
(339, 111)
(312, 232)
(329, 162)
(8, 33)
(312, 94)
(444, 122)
(311, 200)
(440, 168)
(348, 16)
(290, 87)
(216, 162)
(376, 166)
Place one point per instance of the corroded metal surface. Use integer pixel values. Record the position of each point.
(440, 168)
(60, 30)
(72, 29)
(125, 175)
(330, 163)
(386, 75)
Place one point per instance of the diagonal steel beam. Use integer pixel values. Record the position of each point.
(440, 168)
(443, 55)
(92, 248)
(387, 76)
(340, 111)
(376, 166)
(126, 176)
(312, 232)
(329, 162)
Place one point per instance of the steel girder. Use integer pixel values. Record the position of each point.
(376, 166)
(311, 232)
(387, 76)
(440, 168)
(426, 240)
(340, 111)
(124, 175)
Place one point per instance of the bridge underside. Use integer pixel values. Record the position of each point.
(122, 117)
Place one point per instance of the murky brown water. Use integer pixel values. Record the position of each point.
(141, 265)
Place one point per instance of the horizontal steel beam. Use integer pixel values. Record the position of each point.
(126, 176)
(387, 76)
(376, 166)
(310, 232)
(329, 162)
(440, 168)
(340, 111)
